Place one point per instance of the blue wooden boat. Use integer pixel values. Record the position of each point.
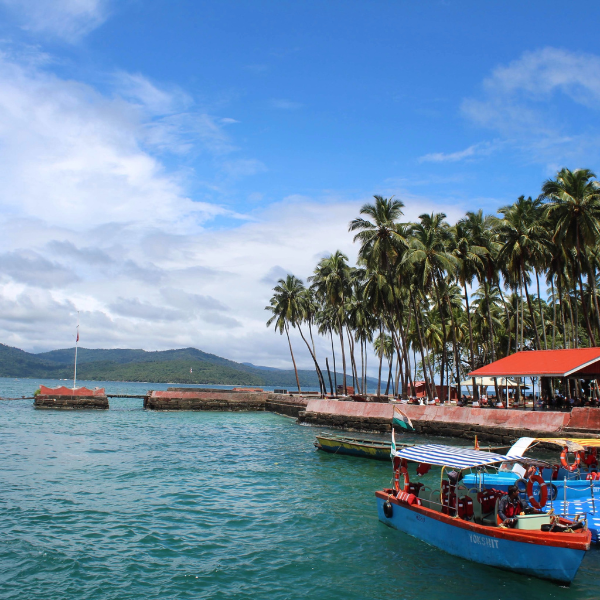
(576, 481)
(572, 488)
(456, 520)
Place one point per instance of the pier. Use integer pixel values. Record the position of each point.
(496, 425)
(64, 398)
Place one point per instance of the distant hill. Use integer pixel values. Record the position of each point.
(168, 366)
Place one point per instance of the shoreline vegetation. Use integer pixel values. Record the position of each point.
(437, 301)
(183, 366)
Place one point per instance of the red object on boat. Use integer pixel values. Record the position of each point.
(546, 363)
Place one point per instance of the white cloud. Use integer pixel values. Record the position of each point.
(243, 167)
(282, 104)
(73, 157)
(67, 19)
(482, 149)
(521, 101)
(91, 221)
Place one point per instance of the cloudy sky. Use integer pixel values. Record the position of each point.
(163, 163)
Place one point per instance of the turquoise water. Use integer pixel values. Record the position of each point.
(129, 504)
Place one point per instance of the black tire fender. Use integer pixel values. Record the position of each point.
(388, 509)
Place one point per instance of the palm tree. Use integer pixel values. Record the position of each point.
(331, 283)
(287, 310)
(524, 240)
(574, 210)
(380, 240)
(430, 254)
(470, 262)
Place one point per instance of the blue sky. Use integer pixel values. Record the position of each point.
(175, 158)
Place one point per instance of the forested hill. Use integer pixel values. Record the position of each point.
(155, 367)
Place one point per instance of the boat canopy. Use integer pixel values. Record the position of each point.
(573, 444)
(451, 456)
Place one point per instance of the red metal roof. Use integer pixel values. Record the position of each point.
(551, 363)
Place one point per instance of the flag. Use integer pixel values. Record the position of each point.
(77, 334)
(393, 446)
(402, 420)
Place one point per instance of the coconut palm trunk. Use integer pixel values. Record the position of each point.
(322, 388)
(345, 388)
(333, 354)
(582, 295)
(380, 356)
(541, 308)
(538, 345)
(287, 333)
(592, 280)
(491, 327)
(471, 349)
(553, 314)
(421, 350)
(387, 387)
(329, 375)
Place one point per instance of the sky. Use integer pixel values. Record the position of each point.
(164, 163)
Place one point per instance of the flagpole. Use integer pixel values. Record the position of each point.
(76, 342)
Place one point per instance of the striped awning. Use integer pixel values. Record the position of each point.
(450, 456)
(573, 444)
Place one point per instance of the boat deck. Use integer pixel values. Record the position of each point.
(579, 506)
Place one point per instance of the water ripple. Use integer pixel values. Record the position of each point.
(128, 504)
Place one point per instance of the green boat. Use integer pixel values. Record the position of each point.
(338, 444)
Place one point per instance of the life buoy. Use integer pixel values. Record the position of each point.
(565, 464)
(543, 491)
(406, 480)
(404, 473)
(388, 509)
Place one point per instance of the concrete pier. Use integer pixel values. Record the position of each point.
(64, 398)
(500, 426)
(224, 400)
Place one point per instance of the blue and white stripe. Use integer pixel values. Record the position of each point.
(449, 456)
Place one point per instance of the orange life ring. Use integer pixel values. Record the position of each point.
(565, 464)
(404, 472)
(543, 491)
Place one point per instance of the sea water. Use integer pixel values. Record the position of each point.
(133, 504)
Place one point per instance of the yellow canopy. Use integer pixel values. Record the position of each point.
(573, 444)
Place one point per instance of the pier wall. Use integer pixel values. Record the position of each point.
(71, 399)
(495, 425)
(220, 400)
(289, 406)
(225, 400)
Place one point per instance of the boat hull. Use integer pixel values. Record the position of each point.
(493, 547)
(353, 449)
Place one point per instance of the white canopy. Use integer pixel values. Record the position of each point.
(489, 381)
